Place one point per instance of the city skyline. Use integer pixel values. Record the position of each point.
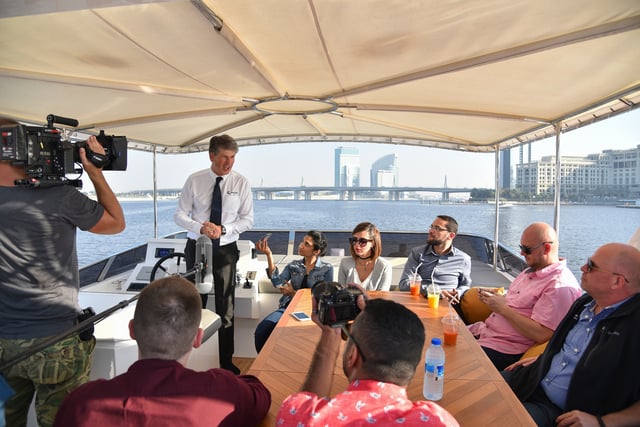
(383, 171)
(605, 173)
(313, 163)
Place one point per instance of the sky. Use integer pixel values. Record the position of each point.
(312, 164)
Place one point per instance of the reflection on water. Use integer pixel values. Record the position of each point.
(582, 228)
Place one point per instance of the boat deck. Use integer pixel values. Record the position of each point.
(110, 277)
(396, 246)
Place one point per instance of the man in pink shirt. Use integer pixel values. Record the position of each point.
(535, 303)
(384, 346)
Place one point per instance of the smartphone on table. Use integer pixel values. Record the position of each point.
(299, 315)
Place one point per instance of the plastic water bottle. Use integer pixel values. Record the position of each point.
(433, 385)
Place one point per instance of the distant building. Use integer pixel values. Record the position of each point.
(347, 167)
(617, 170)
(505, 168)
(384, 171)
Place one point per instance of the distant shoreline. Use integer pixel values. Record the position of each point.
(143, 199)
(174, 194)
(149, 198)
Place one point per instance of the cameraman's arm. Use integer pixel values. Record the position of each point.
(112, 220)
(320, 376)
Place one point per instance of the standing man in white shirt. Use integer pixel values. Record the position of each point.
(194, 213)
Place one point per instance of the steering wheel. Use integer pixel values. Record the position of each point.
(158, 265)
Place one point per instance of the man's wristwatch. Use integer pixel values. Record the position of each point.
(223, 230)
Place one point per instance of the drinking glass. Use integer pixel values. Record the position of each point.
(433, 295)
(450, 324)
(415, 282)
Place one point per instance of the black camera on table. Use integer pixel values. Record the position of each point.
(337, 304)
(47, 158)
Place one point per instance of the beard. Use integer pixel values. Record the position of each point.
(434, 241)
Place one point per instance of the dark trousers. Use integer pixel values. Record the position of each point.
(543, 411)
(225, 259)
(265, 327)
(501, 360)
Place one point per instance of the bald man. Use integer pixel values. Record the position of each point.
(535, 303)
(588, 375)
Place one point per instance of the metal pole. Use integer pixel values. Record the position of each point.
(77, 328)
(556, 199)
(155, 194)
(497, 215)
(85, 324)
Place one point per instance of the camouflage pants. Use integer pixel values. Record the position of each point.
(51, 374)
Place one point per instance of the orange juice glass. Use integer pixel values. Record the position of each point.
(450, 338)
(433, 300)
(433, 296)
(450, 326)
(415, 284)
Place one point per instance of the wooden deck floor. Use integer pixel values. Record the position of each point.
(243, 363)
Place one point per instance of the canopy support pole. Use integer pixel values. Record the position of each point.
(497, 205)
(155, 193)
(556, 198)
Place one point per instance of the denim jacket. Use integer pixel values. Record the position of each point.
(295, 271)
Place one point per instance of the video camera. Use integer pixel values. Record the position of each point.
(337, 304)
(47, 158)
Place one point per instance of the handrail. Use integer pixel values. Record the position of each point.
(81, 326)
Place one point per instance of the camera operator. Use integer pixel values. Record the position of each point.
(383, 349)
(39, 282)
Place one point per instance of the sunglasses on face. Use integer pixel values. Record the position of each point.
(527, 249)
(359, 241)
(591, 266)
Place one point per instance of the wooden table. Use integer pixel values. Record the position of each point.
(474, 391)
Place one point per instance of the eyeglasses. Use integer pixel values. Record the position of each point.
(436, 228)
(527, 250)
(347, 335)
(359, 241)
(591, 266)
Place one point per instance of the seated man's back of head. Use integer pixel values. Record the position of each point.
(158, 389)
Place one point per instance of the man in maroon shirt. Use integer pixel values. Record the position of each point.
(158, 389)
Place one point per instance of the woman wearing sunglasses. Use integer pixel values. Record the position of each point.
(365, 266)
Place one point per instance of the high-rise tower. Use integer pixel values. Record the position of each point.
(347, 167)
(384, 171)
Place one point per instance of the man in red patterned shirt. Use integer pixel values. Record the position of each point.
(380, 358)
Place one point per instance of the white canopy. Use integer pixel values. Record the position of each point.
(465, 75)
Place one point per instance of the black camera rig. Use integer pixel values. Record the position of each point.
(337, 304)
(47, 158)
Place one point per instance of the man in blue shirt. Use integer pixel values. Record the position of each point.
(588, 374)
(438, 261)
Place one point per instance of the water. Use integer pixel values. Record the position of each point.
(433, 381)
(582, 228)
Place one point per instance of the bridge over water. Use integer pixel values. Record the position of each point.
(350, 193)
